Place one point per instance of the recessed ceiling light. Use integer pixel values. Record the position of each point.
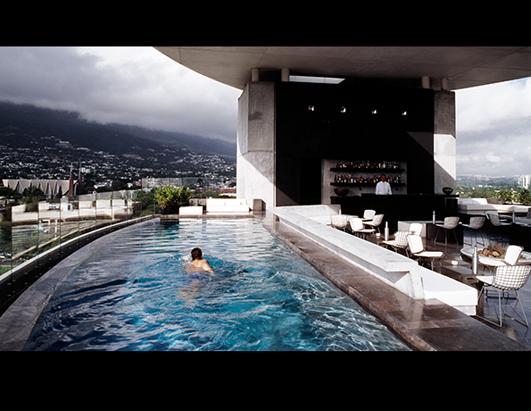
(374, 111)
(342, 109)
(404, 112)
(311, 108)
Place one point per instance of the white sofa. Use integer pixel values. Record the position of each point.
(227, 206)
(481, 206)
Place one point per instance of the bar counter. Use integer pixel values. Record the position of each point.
(400, 206)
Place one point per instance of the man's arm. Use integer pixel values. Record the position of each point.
(389, 189)
(207, 267)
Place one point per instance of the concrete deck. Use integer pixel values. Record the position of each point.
(424, 325)
(463, 272)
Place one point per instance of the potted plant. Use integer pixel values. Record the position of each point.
(170, 198)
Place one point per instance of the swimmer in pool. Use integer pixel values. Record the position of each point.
(198, 267)
(198, 262)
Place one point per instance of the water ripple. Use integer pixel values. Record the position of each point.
(132, 293)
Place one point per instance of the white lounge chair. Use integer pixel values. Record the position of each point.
(357, 228)
(339, 221)
(416, 248)
(512, 254)
(449, 224)
(475, 224)
(368, 215)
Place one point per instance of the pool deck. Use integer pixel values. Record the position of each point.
(463, 272)
(423, 325)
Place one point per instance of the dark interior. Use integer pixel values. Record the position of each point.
(343, 126)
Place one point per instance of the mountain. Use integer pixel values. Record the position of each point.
(192, 142)
(20, 123)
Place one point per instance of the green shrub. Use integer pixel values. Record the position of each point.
(169, 198)
(523, 197)
(505, 195)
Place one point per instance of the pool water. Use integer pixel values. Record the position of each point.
(132, 293)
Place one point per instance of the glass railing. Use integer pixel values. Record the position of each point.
(30, 227)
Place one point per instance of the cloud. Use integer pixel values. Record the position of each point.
(484, 107)
(493, 125)
(141, 86)
(129, 85)
(503, 149)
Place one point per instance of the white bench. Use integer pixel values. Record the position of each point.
(191, 210)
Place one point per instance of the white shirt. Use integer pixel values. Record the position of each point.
(383, 187)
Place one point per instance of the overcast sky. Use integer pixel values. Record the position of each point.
(143, 87)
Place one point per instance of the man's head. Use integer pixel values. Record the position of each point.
(197, 254)
(382, 178)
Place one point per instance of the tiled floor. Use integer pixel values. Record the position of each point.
(462, 271)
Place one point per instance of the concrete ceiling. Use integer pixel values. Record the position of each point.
(462, 66)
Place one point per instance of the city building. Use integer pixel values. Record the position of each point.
(152, 182)
(524, 181)
(50, 188)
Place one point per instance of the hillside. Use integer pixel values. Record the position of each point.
(19, 124)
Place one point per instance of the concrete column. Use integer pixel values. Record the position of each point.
(444, 143)
(444, 84)
(255, 161)
(285, 74)
(255, 75)
(426, 83)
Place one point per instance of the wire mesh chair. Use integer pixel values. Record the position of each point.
(506, 279)
(375, 222)
(399, 243)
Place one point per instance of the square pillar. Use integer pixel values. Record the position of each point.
(255, 161)
(444, 141)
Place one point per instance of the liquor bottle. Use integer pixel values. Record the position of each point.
(433, 217)
(386, 232)
(475, 261)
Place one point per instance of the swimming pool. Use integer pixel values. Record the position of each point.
(132, 293)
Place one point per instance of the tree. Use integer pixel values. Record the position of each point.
(524, 197)
(506, 195)
(169, 198)
(9, 193)
(145, 199)
(31, 197)
(118, 185)
(32, 194)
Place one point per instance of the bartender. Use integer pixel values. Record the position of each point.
(383, 187)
